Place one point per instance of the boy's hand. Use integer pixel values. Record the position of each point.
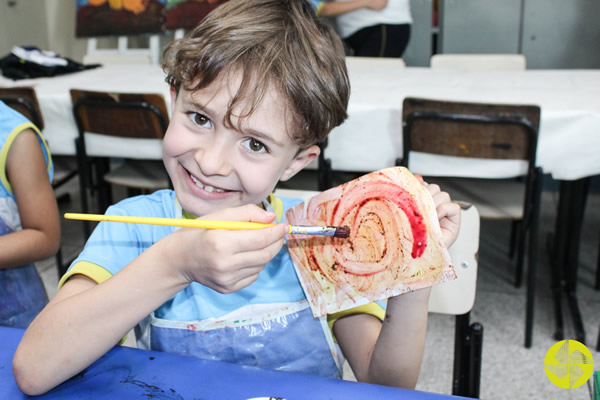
(223, 260)
(447, 211)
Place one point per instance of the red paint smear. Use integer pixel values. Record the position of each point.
(373, 191)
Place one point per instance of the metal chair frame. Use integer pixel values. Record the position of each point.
(527, 229)
(91, 178)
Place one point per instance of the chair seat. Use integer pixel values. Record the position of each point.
(494, 199)
(139, 174)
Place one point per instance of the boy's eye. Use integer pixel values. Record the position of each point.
(255, 146)
(200, 119)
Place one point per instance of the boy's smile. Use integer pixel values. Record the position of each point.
(214, 165)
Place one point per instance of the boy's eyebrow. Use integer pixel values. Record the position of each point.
(264, 136)
(250, 131)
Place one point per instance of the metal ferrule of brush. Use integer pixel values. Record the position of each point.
(312, 230)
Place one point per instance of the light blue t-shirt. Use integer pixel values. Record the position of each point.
(112, 246)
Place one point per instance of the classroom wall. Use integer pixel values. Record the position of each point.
(22, 23)
(551, 33)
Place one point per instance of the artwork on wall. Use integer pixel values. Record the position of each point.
(118, 17)
(187, 13)
(130, 17)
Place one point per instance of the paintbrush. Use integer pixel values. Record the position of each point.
(335, 231)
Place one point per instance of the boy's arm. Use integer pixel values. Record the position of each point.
(336, 8)
(390, 353)
(84, 320)
(28, 175)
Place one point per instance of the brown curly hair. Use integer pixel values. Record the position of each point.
(274, 43)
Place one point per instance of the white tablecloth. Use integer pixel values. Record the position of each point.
(371, 138)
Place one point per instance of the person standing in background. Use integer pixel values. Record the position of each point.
(372, 32)
(335, 8)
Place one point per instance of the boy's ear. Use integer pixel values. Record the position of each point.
(173, 92)
(301, 160)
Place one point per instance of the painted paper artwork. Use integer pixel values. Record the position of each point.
(187, 13)
(119, 17)
(395, 244)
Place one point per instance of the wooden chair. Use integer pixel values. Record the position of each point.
(455, 297)
(24, 100)
(479, 62)
(118, 126)
(463, 136)
(484, 62)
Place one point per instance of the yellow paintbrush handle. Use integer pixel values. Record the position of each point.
(184, 223)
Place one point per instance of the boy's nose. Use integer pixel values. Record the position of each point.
(214, 159)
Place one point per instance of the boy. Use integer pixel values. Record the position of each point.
(253, 89)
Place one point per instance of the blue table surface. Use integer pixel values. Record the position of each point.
(125, 373)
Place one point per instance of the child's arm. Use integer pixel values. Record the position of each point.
(390, 353)
(27, 173)
(85, 319)
(336, 8)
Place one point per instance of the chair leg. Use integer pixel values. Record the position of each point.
(84, 183)
(468, 345)
(521, 236)
(514, 227)
(598, 269)
(532, 259)
(60, 267)
(102, 166)
(476, 351)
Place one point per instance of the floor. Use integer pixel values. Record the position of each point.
(509, 370)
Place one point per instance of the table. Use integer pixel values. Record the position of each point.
(371, 138)
(127, 373)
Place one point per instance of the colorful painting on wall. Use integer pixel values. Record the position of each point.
(119, 17)
(187, 13)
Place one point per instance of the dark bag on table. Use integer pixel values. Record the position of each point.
(31, 62)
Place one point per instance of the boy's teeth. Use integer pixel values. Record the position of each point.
(209, 189)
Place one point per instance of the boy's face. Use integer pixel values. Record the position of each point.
(214, 167)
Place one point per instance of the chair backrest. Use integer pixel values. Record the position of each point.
(110, 124)
(470, 130)
(453, 297)
(133, 115)
(479, 62)
(23, 100)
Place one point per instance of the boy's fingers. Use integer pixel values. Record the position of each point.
(251, 240)
(259, 257)
(450, 211)
(247, 213)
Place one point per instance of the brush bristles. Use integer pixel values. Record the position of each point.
(342, 232)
